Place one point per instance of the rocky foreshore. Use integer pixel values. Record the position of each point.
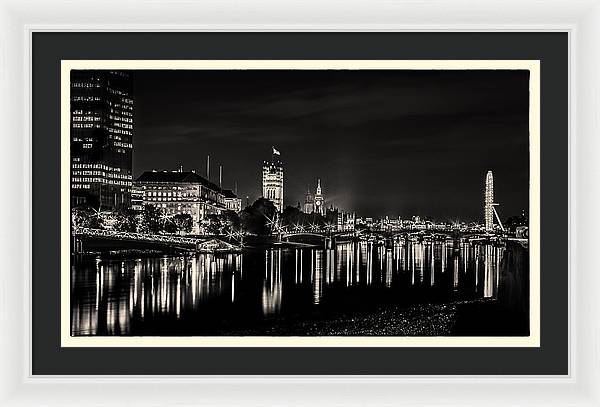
(417, 320)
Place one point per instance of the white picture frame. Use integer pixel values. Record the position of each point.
(19, 19)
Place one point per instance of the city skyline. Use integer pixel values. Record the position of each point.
(382, 142)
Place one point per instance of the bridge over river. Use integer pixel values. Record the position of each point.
(211, 244)
(323, 233)
(388, 237)
(200, 244)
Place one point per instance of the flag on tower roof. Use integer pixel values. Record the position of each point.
(276, 151)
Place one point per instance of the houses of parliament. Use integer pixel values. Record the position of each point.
(272, 183)
(315, 203)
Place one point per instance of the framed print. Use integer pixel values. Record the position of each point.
(177, 259)
(234, 215)
(159, 250)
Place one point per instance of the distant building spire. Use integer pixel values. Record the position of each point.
(208, 167)
(319, 201)
(309, 203)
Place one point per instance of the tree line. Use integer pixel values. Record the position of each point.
(259, 219)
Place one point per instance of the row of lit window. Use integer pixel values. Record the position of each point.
(171, 187)
(84, 85)
(122, 106)
(80, 112)
(169, 199)
(119, 131)
(89, 165)
(96, 166)
(192, 191)
(121, 113)
(85, 98)
(121, 144)
(121, 118)
(154, 193)
(101, 173)
(87, 179)
(85, 126)
(119, 176)
(235, 205)
(271, 194)
(128, 111)
(123, 125)
(77, 181)
(77, 118)
(178, 198)
(121, 183)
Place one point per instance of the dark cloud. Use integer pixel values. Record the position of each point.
(383, 142)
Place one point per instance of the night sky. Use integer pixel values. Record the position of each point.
(395, 143)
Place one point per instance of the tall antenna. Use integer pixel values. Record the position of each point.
(235, 183)
(220, 176)
(208, 167)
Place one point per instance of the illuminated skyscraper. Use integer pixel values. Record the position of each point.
(319, 207)
(101, 138)
(488, 205)
(272, 180)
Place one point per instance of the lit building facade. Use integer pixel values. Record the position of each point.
(182, 192)
(391, 224)
(101, 138)
(137, 198)
(346, 221)
(315, 203)
(319, 201)
(272, 182)
(232, 202)
(488, 205)
(309, 203)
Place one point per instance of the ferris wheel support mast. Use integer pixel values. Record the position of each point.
(498, 217)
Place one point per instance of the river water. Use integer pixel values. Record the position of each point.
(251, 292)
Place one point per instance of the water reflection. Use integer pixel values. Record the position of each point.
(272, 284)
(115, 297)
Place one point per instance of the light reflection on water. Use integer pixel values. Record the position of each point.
(206, 291)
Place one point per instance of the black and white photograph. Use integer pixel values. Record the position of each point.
(281, 204)
(300, 203)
